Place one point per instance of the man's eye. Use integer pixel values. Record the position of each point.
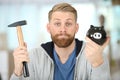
(57, 24)
(68, 24)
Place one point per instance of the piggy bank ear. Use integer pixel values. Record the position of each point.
(91, 26)
(102, 27)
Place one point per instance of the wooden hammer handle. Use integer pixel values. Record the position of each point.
(20, 36)
(21, 43)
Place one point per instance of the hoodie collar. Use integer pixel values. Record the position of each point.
(49, 46)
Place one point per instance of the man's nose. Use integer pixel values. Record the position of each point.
(63, 28)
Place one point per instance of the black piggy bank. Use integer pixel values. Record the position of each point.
(97, 34)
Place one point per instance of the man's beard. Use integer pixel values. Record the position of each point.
(62, 42)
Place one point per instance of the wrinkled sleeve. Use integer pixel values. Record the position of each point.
(102, 72)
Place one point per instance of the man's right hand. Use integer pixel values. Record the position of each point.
(20, 55)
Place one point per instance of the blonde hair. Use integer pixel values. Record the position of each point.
(65, 7)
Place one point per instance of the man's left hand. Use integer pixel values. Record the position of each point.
(93, 52)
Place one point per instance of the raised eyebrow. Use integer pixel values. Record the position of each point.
(69, 19)
(56, 19)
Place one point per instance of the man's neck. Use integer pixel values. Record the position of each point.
(64, 53)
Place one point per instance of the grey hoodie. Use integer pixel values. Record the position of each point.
(41, 65)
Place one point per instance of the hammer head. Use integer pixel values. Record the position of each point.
(19, 23)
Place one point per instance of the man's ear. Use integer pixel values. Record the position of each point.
(77, 27)
(48, 27)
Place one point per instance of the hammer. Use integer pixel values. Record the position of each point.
(21, 42)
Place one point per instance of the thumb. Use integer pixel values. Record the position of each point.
(25, 44)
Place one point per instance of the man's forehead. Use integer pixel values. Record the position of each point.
(59, 15)
(58, 19)
(62, 12)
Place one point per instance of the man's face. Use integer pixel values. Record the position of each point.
(62, 28)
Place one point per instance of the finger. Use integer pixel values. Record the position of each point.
(89, 47)
(21, 53)
(87, 52)
(20, 50)
(90, 41)
(91, 44)
(23, 48)
(21, 58)
(106, 42)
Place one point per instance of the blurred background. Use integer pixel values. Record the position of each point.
(95, 12)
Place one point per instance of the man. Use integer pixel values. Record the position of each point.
(64, 58)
